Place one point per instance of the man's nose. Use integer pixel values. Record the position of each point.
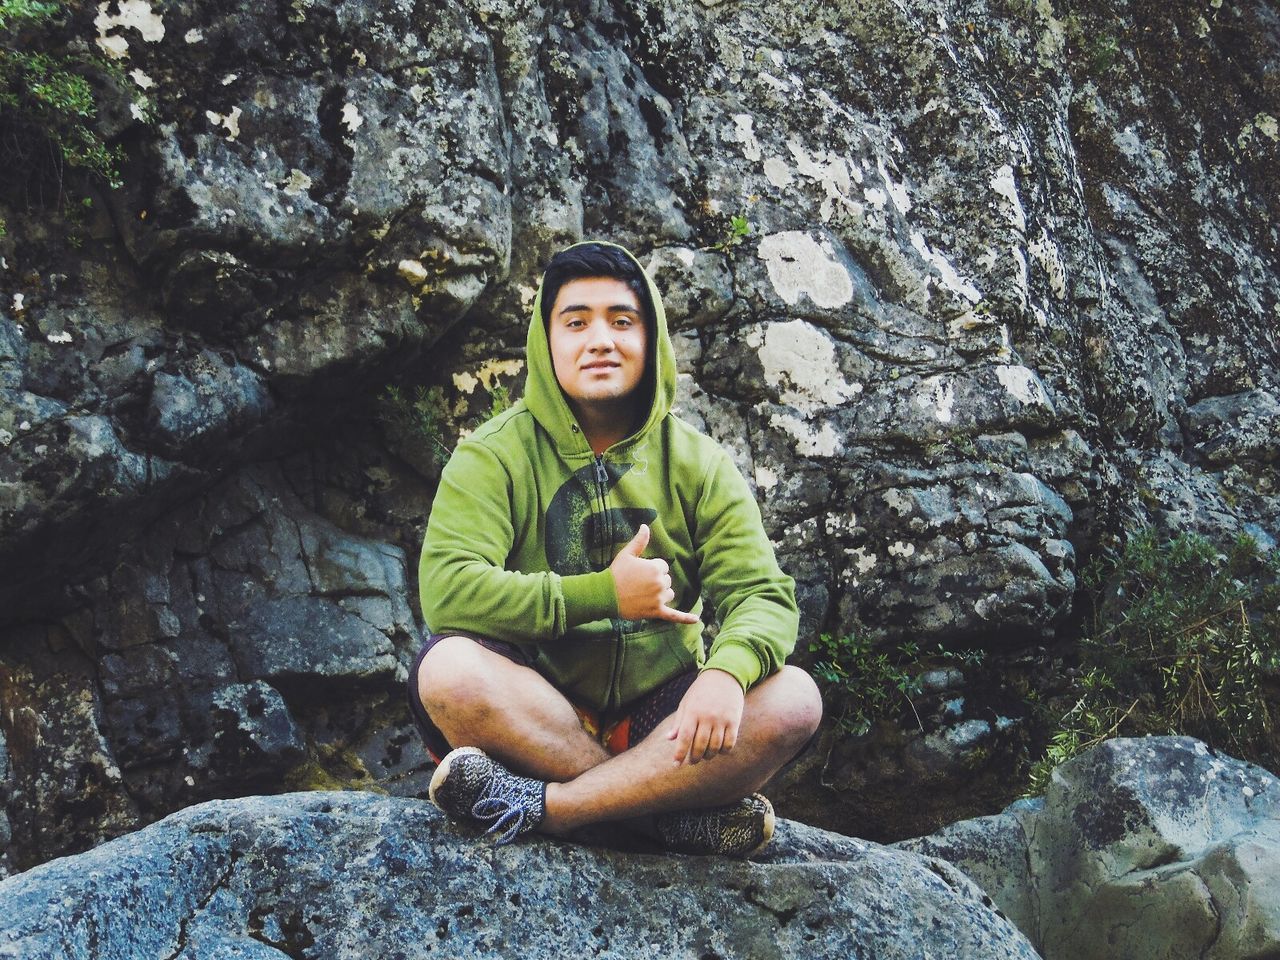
(601, 336)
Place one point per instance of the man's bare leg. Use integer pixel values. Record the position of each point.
(479, 698)
(779, 716)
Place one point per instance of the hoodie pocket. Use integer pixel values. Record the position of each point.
(655, 656)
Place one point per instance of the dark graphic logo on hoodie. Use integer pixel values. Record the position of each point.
(584, 533)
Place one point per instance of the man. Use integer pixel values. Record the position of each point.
(572, 537)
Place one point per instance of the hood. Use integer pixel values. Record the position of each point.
(546, 401)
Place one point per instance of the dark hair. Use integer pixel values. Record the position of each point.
(595, 260)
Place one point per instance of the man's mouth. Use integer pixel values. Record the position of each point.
(600, 366)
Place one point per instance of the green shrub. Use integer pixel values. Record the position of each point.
(47, 106)
(499, 399)
(1182, 638)
(863, 684)
(423, 417)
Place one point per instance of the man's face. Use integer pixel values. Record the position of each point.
(598, 341)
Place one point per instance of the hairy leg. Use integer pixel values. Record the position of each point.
(779, 716)
(479, 698)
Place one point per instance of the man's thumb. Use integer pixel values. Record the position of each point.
(638, 542)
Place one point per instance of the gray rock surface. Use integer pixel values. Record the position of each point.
(1141, 849)
(1008, 288)
(339, 875)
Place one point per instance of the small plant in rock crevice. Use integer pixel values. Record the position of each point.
(424, 416)
(739, 229)
(864, 682)
(420, 417)
(499, 400)
(1183, 638)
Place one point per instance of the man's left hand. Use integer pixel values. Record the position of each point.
(707, 721)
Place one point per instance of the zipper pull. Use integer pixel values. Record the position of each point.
(602, 475)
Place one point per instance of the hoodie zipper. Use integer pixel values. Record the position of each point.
(602, 484)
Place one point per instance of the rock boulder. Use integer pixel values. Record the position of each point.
(340, 875)
(1142, 849)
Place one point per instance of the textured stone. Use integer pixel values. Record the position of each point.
(1145, 848)
(354, 875)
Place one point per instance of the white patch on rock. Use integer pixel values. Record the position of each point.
(898, 502)
(744, 134)
(938, 397)
(831, 172)
(897, 192)
(781, 87)
(132, 13)
(63, 336)
(17, 302)
(950, 278)
(1021, 281)
(862, 560)
(141, 79)
(800, 360)
(1024, 385)
(193, 36)
(799, 265)
(6, 437)
(230, 122)
(766, 479)
(993, 118)
(1046, 254)
(484, 375)
(900, 548)
(297, 183)
(527, 295)
(351, 118)
(836, 524)
(115, 47)
(811, 441)
(777, 172)
(412, 271)
(1004, 184)
(229, 79)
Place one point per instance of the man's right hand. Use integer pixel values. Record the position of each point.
(644, 586)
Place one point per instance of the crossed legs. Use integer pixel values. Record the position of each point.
(479, 698)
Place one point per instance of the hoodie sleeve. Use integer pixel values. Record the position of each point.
(754, 600)
(462, 580)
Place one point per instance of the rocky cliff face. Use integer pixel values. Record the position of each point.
(1009, 287)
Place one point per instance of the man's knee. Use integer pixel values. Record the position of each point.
(793, 708)
(456, 672)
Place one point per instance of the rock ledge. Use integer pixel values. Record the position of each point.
(356, 875)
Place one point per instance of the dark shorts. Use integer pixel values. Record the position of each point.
(616, 731)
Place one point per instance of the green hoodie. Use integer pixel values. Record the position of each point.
(527, 519)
